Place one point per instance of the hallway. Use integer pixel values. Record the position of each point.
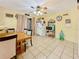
(48, 48)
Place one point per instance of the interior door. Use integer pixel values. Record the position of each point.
(29, 23)
(29, 26)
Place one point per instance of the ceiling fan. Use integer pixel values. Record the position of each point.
(40, 10)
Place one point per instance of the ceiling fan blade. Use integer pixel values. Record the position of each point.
(32, 7)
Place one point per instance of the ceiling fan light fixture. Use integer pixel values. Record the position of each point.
(40, 13)
(38, 6)
(40, 10)
(45, 8)
(35, 12)
(45, 12)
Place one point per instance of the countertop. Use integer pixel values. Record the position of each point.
(18, 35)
(7, 36)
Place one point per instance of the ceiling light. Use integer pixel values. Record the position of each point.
(40, 10)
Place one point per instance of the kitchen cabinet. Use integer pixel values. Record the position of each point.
(7, 46)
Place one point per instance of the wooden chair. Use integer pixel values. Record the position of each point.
(10, 30)
(28, 32)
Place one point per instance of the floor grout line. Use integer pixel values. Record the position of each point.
(52, 51)
(62, 51)
(73, 50)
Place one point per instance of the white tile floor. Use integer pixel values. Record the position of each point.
(49, 48)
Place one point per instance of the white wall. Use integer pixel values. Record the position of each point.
(6, 21)
(78, 27)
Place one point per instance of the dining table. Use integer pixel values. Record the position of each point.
(22, 36)
(21, 42)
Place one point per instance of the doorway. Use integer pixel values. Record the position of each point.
(51, 29)
(28, 27)
(40, 27)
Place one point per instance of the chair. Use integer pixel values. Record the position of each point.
(10, 30)
(28, 32)
(2, 31)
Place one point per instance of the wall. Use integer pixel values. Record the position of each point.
(6, 21)
(78, 26)
(69, 32)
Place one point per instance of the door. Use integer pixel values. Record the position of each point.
(29, 26)
(29, 23)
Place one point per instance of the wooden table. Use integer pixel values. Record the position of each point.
(22, 36)
(21, 42)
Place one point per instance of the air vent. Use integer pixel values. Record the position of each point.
(9, 15)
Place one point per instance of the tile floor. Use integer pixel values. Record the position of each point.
(49, 48)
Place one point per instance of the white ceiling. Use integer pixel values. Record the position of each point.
(52, 5)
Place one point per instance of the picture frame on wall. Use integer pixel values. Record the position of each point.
(68, 21)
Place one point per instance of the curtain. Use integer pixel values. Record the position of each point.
(20, 23)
